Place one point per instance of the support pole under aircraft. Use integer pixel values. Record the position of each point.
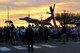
(52, 14)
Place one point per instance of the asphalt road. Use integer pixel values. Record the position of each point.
(51, 47)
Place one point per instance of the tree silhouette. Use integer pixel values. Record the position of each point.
(65, 17)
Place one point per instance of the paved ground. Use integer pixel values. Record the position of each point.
(51, 47)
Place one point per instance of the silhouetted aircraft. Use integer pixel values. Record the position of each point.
(42, 22)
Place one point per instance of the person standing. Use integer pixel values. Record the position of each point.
(29, 36)
(63, 35)
(46, 34)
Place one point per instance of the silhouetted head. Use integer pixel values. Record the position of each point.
(29, 26)
(22, 27)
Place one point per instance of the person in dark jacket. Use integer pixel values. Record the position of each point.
(46, 33)
(29, 36)
(41, 34)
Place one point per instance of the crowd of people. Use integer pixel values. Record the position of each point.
(31, 34)
(39, 33)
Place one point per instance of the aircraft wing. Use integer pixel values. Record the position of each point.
(26, 18)
(30, 20)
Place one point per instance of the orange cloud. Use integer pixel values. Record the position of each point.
(4, 1)
(37, 10)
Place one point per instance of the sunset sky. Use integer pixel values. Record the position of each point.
(20, 9)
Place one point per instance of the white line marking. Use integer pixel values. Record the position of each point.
(4, 49)
(36, 46)
(50, 46)
(19, 47)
